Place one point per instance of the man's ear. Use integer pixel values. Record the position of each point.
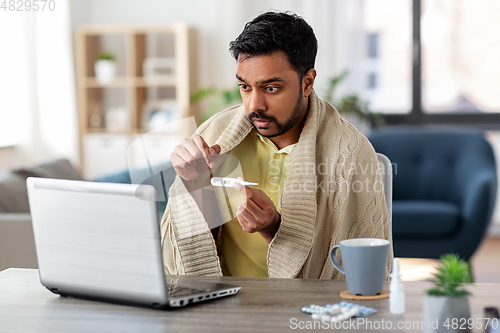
(308, 82)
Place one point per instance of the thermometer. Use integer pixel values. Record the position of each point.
(228, 182)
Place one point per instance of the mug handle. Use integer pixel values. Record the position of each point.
(334, 260)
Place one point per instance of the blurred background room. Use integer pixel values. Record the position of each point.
(92, 89)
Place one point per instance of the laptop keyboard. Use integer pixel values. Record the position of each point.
(175, 290)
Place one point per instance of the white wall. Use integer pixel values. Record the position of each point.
(37, 87)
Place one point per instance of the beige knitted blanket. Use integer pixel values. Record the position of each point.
(332, 192)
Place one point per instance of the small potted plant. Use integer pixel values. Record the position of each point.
(446, 305)
(353, 108)
(105, 68)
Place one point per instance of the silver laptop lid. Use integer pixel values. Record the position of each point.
(98, 239)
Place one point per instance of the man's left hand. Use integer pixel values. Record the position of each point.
(257, 212)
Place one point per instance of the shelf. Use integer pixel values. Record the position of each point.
(119, 82)
(105, 131)
(107, 29)
(125, 107)
(155, 82)
(139, 132)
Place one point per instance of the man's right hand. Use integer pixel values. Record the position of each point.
(193, 157)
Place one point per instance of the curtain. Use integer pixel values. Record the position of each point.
(38, 116)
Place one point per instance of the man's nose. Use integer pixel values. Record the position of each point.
(257, 102)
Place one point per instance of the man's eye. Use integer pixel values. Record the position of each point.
(243, 86)
(272, 89)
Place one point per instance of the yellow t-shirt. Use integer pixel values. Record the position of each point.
(242, 253)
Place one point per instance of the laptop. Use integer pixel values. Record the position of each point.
(101, 241)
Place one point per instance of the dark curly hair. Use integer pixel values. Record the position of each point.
(278, 31)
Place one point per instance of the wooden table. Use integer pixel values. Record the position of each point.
(262, 305)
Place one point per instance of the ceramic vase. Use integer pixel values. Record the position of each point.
(446, 314)
(104, 71)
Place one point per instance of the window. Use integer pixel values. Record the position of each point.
(372, 81)
(372, 60)
(460, 56)
(425, 62)
(14, 79)
(372, 45)
(442, 74)
(387, 64)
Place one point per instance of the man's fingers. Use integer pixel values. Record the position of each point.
(259, 197)
(244, 219)
(203, 148)
(215, 150)
(243, 223)
(195, 152)
(192, 157)
(186, 158)
(250, 207)
(215, 157)
(243, 189)
(183, 168)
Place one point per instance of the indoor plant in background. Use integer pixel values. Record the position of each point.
(353, 108)
(105, 67)
(217, 99)
(446, 305)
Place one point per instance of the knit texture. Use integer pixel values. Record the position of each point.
(330, 194)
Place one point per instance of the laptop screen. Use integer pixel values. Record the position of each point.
(98, 239)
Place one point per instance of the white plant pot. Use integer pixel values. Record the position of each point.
(446, 314)
(104, 71)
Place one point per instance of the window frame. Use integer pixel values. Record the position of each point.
(417, 116)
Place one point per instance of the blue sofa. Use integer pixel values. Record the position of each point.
(161, 181)
(444, 189)
(14, 196)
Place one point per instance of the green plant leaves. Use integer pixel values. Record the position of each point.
(352, 104)
(218, 99)
(106, 56)
(451, 276)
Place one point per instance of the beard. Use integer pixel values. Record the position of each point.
(281, 129)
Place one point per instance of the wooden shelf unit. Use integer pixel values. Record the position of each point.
(130, 91)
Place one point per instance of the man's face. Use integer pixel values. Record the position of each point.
(271, 92)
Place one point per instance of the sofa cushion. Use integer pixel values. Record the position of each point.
(13, 191)
(424, 219)
(121, 177)
(58, 169)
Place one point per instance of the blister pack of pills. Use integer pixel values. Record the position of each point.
(337, 312)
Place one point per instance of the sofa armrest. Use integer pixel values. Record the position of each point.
(17, 244)
(479, 197)
(477, 209)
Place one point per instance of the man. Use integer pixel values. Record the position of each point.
(317, 174)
